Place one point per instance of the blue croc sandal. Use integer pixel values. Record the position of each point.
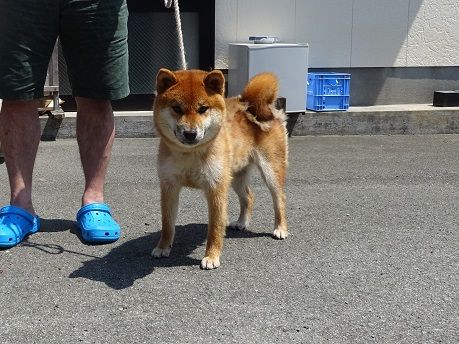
(97, 224)
(15, 225)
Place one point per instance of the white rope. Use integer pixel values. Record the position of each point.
(178, 22)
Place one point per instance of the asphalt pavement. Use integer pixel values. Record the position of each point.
(372, 255)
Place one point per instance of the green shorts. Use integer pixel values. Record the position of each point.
(93, 35)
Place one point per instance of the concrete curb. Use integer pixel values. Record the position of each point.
(375, 120)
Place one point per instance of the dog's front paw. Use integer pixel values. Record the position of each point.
(209, 263)
(236, 225)
(280, 233)
(159, 252)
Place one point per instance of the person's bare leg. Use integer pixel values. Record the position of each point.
(20, 136)
(95, 135)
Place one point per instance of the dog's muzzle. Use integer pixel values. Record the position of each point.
(188, 137)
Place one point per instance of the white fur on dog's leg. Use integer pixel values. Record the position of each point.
(238, 225)
(280, 233)
(210, 263)
(161, 252)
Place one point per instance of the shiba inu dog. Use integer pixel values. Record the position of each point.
(211, 143)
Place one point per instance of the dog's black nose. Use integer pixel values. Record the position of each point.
(190, 135)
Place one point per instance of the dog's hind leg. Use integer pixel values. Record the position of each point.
(273, 172)
(169, 206)
(241, 187)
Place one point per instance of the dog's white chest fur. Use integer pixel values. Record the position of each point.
(188, 169)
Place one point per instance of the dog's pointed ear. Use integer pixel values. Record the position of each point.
(215, 81)
(164, 80)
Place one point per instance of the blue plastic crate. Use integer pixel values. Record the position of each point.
(328, 91)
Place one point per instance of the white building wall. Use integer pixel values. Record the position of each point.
(433, 35)
(347, 33)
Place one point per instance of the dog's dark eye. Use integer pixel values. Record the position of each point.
(202, 109)
(177, 109)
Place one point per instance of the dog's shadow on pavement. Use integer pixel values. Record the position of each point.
(132, 260)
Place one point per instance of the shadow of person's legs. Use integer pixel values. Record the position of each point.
(132, 260)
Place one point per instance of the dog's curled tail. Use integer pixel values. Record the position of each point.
(260, 95)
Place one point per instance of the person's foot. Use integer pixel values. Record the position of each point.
(15, 225)
(97, 224)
